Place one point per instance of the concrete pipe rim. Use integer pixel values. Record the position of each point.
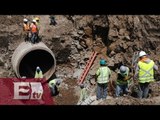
(51, 70)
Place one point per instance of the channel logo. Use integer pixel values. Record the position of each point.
(28, 90)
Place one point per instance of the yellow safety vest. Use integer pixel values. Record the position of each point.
(38, 75)
(146, 73)
(103, 74)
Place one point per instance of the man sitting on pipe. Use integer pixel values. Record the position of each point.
(38, 73)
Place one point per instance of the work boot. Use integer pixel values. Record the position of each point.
(103, 98)
(124, 95)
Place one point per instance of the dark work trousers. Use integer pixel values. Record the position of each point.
(101, 90)
(143, 90)
(121, 89)
(34, 37)
(26, 36)
(54, 90)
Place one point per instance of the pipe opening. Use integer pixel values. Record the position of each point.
(27, 57)
(35, 58)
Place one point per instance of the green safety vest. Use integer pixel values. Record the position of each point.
(38, 75)
(103, 74)
(83, 94)
(146, 73)
(52, 82)
(121, 81)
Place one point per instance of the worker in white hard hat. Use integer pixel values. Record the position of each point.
(25, 20)
(34, 31)
(38, 73)
(145, 73)
(26, 29)
(123, 78)
(54, 86)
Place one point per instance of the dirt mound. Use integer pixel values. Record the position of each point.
(128, 100)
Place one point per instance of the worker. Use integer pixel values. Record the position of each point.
(83, 93)
(37, 22)
(38, 73)
(38, 26)
(102, 78)
(26, 29)
(145, 73)
(34, 31)
(122, 81)
(52, 20)
(54, 86)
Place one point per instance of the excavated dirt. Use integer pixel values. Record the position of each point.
(67, 95)
(75, 37)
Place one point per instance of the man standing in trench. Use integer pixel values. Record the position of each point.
(145, 72)
(38, 73)
(102, 77)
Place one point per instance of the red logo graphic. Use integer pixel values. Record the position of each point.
(28, 90)
(14, 91)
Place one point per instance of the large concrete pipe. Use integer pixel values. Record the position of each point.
(28, 56)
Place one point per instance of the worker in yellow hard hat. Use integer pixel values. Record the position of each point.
(37, 19)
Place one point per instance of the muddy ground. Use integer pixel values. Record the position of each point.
(75, 37)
